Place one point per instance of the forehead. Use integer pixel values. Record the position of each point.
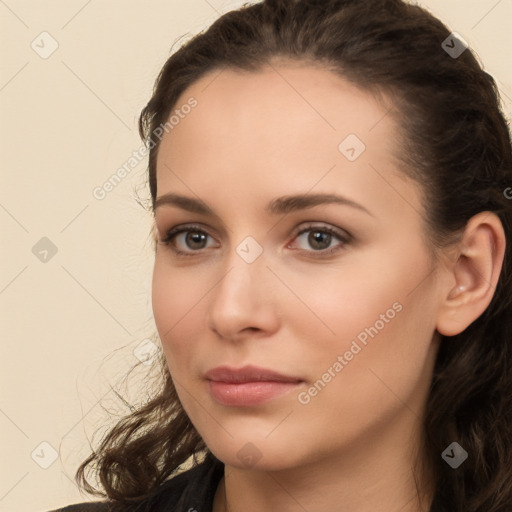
(282, 93)
(299, 102)
(286, 126)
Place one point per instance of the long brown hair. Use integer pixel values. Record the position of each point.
(456, 145)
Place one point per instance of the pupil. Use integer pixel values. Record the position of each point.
(196, 240)
(319, 240)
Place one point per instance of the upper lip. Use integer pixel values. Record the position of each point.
(247, 373)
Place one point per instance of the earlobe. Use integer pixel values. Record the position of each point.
(475, 272)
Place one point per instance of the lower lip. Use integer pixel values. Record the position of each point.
(248, 393)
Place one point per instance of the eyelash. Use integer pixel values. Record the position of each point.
(343, 237)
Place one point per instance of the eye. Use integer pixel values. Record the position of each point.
(321, 239)
(186, 240)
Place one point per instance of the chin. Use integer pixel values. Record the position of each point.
(251, 451)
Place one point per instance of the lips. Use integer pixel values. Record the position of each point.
(247, 374)
(248, 386)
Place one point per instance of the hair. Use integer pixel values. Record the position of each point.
(454, 141)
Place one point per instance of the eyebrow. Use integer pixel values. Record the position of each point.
(287, 204)
(281, 205)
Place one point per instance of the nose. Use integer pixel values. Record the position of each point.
(244, 303)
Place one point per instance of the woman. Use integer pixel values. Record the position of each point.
(332, 282)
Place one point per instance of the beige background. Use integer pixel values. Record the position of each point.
(71, 323)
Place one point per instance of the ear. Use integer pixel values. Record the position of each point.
(473, 274)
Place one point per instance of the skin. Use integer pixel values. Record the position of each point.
(258, 136)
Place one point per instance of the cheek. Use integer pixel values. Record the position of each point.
(372, 314)
(178, 309)
(386, 377)
(333, 306)
(381, 356)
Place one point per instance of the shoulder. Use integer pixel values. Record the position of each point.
(189, 490)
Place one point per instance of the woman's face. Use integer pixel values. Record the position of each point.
(300, 251)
